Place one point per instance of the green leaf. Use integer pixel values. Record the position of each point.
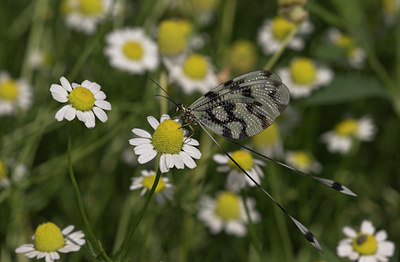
(345, 88)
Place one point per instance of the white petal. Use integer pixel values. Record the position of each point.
(80, 115)
(67, 230)
(220, 159)
(191, 141)
(370, 258)
(33, 254)
(348, 231)
(192, 151)
(141, 133)
(25, 248)
(236, 228)
(169, 161)
(103, 104)
(386, 248)
(61, 113)
(164, 117)
(381, 235)
(65, 83)
(367, 227)
(143, 148)
(60, 98)
(153, 122)
(100, 95)
(344, 250)
(187, 160)
(146, 157)
(163, 164)
(70, 113)
(178, 161)
(89, 119)
(139, 141)
(101, 115)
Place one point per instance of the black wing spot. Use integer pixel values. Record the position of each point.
(266, 73)
(251, 109)
(247, 92)
(337, 186)
(309, 236)
(229, 82)
(226, 132)
(211, 95)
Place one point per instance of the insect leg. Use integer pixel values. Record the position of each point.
(307, 233)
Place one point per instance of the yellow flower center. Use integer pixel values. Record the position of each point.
(228, 206)
(3, 170)
(172, 37)
(365, 244)
(195, 66)
(91, 7)
(243, 56)
(244, 159)
(168, 137)
(268, 137)
(303, 71)
(148, 182)
(302, 159)
(133, 50)
(9, 90)
(281, 27)
(48, 237)
(81, 98)
(347, 128)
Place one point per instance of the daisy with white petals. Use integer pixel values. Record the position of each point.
(169, 140)
(85, 15)
(366, 245)
(303, 76)
(163, 191)
(236, 178)
(227, 213)
(84, 101)
(49, 240)
(194, 72)
(341, 138)
(131, 50)
(303, 161)
(273, 32)
(14, 94)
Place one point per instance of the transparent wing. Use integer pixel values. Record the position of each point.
(243, 106)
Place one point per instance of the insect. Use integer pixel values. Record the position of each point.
(241, 108)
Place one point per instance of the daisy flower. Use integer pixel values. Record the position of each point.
(365, 246)
(169, 140)
(194, 72)
(49, 240)
(303, 76)
(341, 138)
(303, 161)
(131, 50)
(84, 101)
(227, 213)
(355, 54)
(273, 32)
(85, 15)
(269, 141)
(236, 178)
(14, 94)
(163, 191)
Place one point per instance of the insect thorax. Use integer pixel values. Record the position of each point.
(187, 114)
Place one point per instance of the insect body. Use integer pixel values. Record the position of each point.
(241, 108)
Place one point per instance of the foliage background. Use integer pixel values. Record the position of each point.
(172, 232)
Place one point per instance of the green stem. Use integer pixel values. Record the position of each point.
(256, 243)
(163, 83)
(282, 47)
(91, 237)
(226, 30)
(125, 247)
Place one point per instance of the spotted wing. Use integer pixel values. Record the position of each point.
(243, 106)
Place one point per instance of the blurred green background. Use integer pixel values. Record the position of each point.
(172, 232)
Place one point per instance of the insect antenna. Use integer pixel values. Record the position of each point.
(166, 97)
(159, 86)
(307, 233)
(330, 183)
